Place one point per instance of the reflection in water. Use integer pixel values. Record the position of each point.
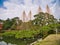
(14, 41)
(4, 43)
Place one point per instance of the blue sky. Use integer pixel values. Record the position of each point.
(14, 8)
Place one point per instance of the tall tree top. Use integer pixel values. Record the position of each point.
(39, 9)
(47, 9)
(30, 14)
(24, 13)
(24, 16)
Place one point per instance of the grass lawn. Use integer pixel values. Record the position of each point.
(50, 40)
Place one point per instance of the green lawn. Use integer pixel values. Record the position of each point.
(50, 40)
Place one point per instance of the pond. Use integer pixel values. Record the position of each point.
(4, 43)
(13, 41)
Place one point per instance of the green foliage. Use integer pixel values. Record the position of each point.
(9, 33)
(7, 24)
(42, 19)
(58, 26)
(45, 30)
(21, 33)
(26, 34)
(43, 24)
(11, 23)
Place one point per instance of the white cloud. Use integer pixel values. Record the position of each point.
(37, 2)
(16, 1)
(12, 10)
(28, 2)
(57, 12)
(15, 9)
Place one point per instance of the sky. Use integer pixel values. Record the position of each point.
(15, 8)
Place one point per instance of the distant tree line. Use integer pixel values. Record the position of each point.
(43, 25)
(40, 20)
